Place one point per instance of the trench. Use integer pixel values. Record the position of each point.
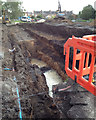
(31, 81)
(52, 77)
(51, 68)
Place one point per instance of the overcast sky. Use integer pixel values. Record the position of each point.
(75, 5)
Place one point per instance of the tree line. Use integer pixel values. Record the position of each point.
(87, 13)
(11, 9)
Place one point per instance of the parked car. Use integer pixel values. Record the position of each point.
(28, 19)
(25, 19)
(41, 21)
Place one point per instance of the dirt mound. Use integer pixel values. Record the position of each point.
(63, 31)
(60, 20)
(93, 23)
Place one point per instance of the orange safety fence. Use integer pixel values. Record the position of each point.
(82, 54)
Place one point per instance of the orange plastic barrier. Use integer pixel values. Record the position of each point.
(83, 67)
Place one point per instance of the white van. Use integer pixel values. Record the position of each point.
(25, 19)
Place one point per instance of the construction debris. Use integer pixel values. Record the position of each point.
(12, 50)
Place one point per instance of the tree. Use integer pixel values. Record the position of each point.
(13, 9)
(0, 7)
(87, 13)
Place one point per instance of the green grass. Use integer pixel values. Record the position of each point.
(90, 20)
(13, 21)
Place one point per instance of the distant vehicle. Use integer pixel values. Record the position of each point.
(32, 20)
(41, 21)
(28, 19)
(5, 18)
(73, 20)
(25, 19)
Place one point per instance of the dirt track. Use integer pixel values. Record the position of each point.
(40, 41)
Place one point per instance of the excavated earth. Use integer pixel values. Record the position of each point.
(30, 80)
(43, 42)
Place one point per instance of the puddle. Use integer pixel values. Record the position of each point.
(52, 77)
(39, 63)
(1, 55)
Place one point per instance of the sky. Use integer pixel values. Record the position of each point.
(69, 5)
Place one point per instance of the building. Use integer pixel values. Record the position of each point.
(28, 14)
(68, 13)
(58, 13)
(44, 13)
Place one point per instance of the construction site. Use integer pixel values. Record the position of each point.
(48, 70)
(37, 58)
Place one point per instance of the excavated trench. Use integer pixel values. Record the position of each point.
(49, 48)
(48, 44)
(44, 43)
(52, 78)
(31, 82)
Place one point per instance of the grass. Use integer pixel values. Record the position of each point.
(14, 21)
(90, 20)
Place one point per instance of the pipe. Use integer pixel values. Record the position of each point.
(20, 111)
(7, 69)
